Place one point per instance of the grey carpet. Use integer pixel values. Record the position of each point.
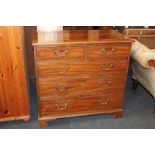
(138, 114)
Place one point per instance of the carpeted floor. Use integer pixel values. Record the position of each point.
(138, 114)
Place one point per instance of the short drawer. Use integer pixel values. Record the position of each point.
(64, 106)
(75, 87)
(108, 51)
(59, 53)
(46, 69)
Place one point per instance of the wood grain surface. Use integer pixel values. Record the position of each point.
(14, 100)
(81, 73)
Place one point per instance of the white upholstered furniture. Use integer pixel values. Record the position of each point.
(143, 66)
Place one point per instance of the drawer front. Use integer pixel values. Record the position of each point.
(61, 107)
(74, 87)
(59, 53)
(107, 51)
(46, 69)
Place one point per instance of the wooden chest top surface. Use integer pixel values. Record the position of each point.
(79, 37)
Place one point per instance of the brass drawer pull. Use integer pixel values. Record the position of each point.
(103, 101)
(63, 70)
(61, 53)
(106, 67)
(101, 66)
(103, 49)
(113, 49)
(111, 66)
(62, 108)
(106, 50)
(61, 89)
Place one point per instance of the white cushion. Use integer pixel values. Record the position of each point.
(142, 54)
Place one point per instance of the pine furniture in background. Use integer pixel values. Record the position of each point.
(14, 99)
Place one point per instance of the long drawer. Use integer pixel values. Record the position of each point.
(60, 53)
(107, 51)
(63, 106)
(83, 86)
(48, 68)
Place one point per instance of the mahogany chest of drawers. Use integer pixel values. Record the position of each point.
(81, 73)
